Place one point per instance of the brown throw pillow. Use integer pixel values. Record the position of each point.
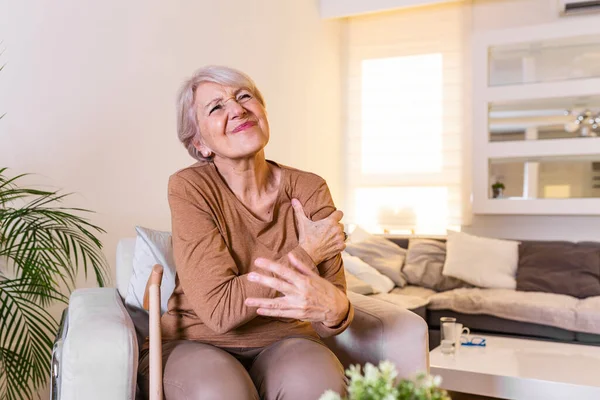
(424, 264)
(559, 267)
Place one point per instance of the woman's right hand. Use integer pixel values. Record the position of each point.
(322, 239)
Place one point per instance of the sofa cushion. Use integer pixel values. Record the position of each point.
(539, 308)
(404, 301)
(481, 261)
(367, 273)
(559, 267)
(151, 247)
(383, 255)
(588, 315)
(355, 285)
(416, 291)
(424, 264)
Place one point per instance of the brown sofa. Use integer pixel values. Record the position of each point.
(557, 297)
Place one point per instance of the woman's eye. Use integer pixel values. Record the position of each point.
(215, 108)
(244, 96)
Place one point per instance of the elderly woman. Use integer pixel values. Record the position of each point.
(258, 282)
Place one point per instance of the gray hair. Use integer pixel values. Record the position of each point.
(187, 116)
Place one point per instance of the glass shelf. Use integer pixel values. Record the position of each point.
(544, 119)
(574, 177)
(544, 61)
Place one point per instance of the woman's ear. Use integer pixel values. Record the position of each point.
(202, 149)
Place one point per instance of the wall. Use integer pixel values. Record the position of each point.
(345, 8)
(89, 90)
(501, 14)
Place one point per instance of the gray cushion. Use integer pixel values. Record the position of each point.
(424, 264)
(559, 267)
(381, 254)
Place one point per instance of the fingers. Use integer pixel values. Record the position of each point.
(282, 271)
(282, 313)
(337, 216)
(305, 269)
(274, 283)
(276, 303)
(298, 210)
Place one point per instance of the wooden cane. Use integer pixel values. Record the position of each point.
(152, 305)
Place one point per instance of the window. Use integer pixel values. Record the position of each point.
(405, 120)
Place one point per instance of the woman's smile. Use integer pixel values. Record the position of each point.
(244, 126)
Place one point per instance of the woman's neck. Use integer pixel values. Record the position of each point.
(248, 178)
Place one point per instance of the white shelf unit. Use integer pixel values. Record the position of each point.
(484, 95)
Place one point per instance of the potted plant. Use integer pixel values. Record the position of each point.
(43, 246)
(380, 383)
(497, 189)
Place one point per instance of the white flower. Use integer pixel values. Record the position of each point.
(388, 369)
(330, 395)
(354, 372)
(437, 381)
(371, 373)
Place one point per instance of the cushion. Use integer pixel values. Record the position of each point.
(559, 267)
(539, 308)
(424, 264)
(480, 261)
(404, 301)
(380, 253)
(588, 315)
(355, 285)
(151, 247)
(366, 273)
(415, 291)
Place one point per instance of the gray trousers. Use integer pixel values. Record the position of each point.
(295, 368)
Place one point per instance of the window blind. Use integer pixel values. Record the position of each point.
(405, 119)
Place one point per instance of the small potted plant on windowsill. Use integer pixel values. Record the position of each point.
(497, 190)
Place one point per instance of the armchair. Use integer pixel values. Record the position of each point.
(95, 355)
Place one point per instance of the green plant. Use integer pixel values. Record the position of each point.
(42, 246)
(498, 185)
(380, 383)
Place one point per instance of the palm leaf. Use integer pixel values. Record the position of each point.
(43, 246)
(25, 338)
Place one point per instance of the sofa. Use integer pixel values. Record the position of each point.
(95, 354)
(557, 296)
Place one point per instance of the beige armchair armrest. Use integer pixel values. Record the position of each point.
(382, 331)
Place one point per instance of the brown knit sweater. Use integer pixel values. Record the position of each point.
(216, 240)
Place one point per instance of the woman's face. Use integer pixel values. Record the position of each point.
(232, 122)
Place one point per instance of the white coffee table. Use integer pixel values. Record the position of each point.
(521, 369)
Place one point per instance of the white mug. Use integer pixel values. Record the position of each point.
(460, 331)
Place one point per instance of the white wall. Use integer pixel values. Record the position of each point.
(89, 89)
(501, 14)
(345, 8)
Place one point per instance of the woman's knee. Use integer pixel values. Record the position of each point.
(194, 371)
(297, 368)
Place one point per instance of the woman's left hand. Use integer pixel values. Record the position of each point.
(306, 295)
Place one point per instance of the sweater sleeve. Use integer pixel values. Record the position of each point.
(320, 205)
(207, 272)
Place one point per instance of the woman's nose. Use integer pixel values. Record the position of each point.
(235, 109)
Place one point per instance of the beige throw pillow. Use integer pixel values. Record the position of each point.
(383, 255)
(363, 271)
(424, 264)
(481, 261)
(353, 284)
